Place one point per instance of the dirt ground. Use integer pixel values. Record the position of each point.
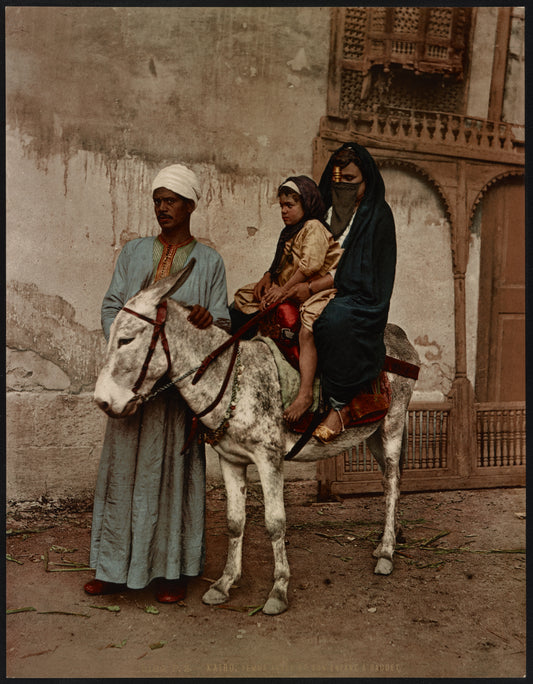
(453, 607)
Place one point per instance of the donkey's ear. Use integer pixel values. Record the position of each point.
(149, 299)
(176, 281)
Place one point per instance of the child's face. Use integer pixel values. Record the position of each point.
(291, 209)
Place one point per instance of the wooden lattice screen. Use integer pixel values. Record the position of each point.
(425, 39)
(430, 461)
(402, 56)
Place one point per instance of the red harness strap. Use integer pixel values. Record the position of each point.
(159, 331)
(233, 339)
(399, 367)
(214, 403)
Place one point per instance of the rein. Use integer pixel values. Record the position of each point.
(232, 340)
(159, 332)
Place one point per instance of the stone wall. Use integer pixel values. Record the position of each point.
(97, 100)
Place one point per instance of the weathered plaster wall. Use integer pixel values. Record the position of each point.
(472, 292)
(100, 98)
(423, 304)
(481, 61)
(514, 109)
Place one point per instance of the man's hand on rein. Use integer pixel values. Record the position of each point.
(200, 317)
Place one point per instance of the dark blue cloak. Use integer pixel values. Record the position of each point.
(349, 332)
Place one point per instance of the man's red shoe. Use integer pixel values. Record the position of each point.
(98, 587)
(171, 591)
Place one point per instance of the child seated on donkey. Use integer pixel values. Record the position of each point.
(301, 271)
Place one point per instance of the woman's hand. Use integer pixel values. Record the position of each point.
(299, 292)
(275, 294)
(262, 287)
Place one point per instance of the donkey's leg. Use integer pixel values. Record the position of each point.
(386, 446)
(272, 484)
(376, 447)
(235, 482)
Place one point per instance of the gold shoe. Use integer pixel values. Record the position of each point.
(325, 434)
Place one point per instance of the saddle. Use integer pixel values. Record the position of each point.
(282, 325)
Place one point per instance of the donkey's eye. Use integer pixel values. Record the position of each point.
(124, 340)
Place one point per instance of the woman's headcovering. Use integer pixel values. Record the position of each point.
(180, 180)
(310, 197)
(357, 266)
(375, 187)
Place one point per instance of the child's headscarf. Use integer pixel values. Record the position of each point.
(313, 208)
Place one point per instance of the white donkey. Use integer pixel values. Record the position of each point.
(248, 420)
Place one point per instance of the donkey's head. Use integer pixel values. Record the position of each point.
(137, 352)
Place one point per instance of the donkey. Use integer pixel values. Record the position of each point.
(247, 423)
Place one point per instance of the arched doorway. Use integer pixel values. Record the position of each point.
(501, 347)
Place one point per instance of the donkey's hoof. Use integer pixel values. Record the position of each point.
(274, 606)
(214, 597)
(384, 566)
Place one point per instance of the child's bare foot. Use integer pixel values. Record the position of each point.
(298, 407)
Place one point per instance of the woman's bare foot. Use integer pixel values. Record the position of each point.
(298, 407)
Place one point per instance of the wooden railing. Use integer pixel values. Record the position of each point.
(427, 442)
(433, 460)
(434, 132)
(501, 435)
(427, 445)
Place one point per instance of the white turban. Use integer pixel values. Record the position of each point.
(180, 180)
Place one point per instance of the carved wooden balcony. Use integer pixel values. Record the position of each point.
(430, 133)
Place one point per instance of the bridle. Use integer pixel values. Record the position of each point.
(159, 332)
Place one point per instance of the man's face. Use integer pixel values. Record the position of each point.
(171, 210)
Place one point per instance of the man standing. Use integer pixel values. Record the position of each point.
(149, 507)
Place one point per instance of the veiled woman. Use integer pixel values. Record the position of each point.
(349, 332)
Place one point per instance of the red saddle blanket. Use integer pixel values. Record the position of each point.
(366, 407)
(282, 324)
